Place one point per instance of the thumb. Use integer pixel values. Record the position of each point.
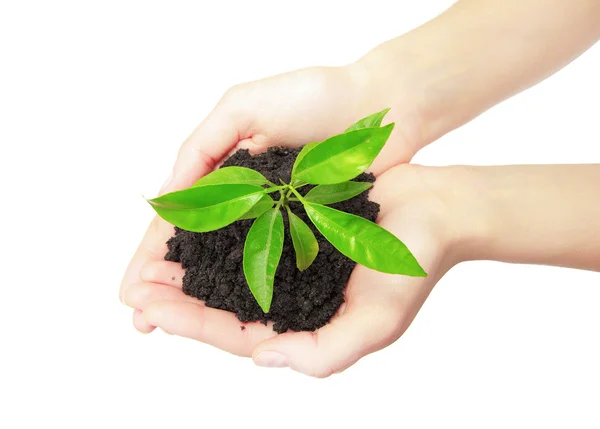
(347, 338)
(204, 149)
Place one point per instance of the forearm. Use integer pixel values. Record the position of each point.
(530, 214)
(476, 54)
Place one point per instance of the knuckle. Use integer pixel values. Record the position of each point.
(388, 323)
(319, 369)
(137, 295)
(248, 332)
(155, 225)
(320, 366)
(122, 289)
(200, 330)
(233, 92)
(139, 323)
(149, 271)
(397, 324)
(324, 371)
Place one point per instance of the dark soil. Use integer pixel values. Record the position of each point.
(302, 301)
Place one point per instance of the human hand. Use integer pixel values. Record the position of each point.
(379, 307)
(289, 109)
(292, 109)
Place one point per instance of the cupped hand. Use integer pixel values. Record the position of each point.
(290, 109)
(378, 309)
(293, 109)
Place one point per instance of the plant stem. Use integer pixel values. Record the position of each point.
(274, 189)
(297, 195)
(280, 202)
(285, 196)
(289, 211)
(298, 184)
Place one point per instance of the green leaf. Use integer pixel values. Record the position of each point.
(307, 148)
(364, 241)
(342, 157)
(305, 243)
(262, 252)
(206, 208)
(264, 204)
(371, 121)
(232, 175)
(329, 194)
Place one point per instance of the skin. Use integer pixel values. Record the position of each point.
(379, 307)
(475, 55)
(539, 214)
(435, 79)
(446, 215)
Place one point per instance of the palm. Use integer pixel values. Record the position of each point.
(379, 307)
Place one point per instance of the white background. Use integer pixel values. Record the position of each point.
(95, 99)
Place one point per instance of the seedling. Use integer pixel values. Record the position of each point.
(235, 193)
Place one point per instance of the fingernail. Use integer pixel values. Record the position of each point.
(271, 360)
(167, 182)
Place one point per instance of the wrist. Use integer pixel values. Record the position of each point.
(382, 87)
(457, 196)
(440, 72)
(444, 199)
(421, 87)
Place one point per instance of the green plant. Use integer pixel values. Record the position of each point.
(234, 193)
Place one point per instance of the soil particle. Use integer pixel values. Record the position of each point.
(302, 301)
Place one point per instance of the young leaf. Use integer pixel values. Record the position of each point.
(304, 241)
(329, 194)
(264, 204)
(342, 157)
(262, 252)
(206, 208)
(307, 148)
(364, 241)
(371, 121)
(232, 175)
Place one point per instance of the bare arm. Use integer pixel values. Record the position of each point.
(535, 214)
(476, 54)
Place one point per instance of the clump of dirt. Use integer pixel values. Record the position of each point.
(302, 301)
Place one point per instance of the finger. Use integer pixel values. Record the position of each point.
(218, 328)
(152, 248)
(379, 308)
(163, 272)
(140, 323)
(360, 330)
(212, 140)
(140, 295)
